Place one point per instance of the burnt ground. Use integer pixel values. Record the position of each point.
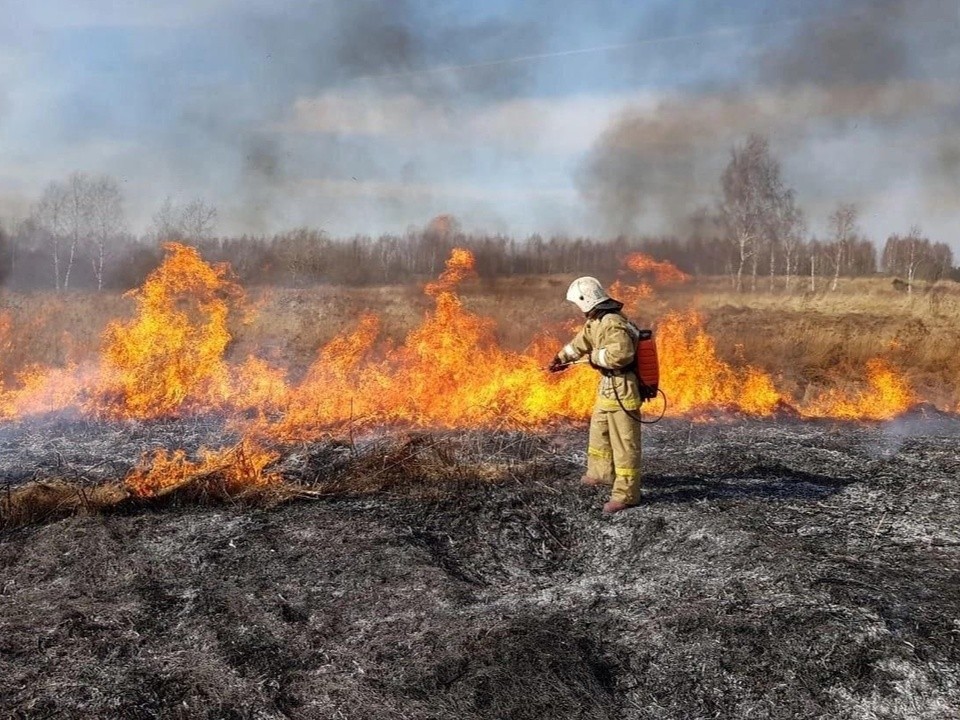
(775, 570)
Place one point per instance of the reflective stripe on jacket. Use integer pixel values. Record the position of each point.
(611, 342)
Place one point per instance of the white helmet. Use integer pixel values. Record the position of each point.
(586, 293)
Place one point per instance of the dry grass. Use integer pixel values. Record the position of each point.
(46, 502)
(805, 340)
(50, 329)
(826, 338)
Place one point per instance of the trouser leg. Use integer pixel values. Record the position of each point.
(624, 434)
(599, 452)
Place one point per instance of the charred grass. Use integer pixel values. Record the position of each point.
(67, 479)
(777, 570)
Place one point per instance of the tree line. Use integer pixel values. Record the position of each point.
(77, 237)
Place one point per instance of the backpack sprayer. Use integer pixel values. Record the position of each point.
(646, 366)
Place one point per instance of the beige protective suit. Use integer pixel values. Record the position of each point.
(613, 453)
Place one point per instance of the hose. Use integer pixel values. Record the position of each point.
(639, 416)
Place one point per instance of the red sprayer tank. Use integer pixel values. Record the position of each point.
(647, 365)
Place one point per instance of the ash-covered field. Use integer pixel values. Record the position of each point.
(777, 569)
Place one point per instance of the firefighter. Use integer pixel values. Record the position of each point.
(609, 341)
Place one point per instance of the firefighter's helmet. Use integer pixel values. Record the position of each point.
(586, 293)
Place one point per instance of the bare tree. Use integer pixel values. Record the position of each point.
(107, 221)
(198, 220)
(843, 230)
(166, 222)
(941, 261)
(860, 257)
(753, 194)
(78, 217)
(194, 222)
(815, 252)
(301, 254)
(914, 257)
(793, 227)
(437, 239)
(49, 223)
(785, 234)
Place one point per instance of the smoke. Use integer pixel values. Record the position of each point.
(948, 157)
(869, 46)
(261, 182)
(646, 162)
(370, 52)
(870, 81)
(261, 107)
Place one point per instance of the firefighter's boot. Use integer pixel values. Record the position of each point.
(612, 507)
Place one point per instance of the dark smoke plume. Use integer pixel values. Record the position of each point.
(888, 68)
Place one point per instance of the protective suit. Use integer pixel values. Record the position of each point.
(610, 341)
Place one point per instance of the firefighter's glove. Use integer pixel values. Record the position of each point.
(556, 365)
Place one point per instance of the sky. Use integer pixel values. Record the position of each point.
(593, 117)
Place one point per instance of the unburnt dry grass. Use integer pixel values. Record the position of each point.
(775, 570)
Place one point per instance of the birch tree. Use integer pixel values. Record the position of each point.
(78, 217)
(792, 230)
(753, 198)
(49, 223)
(106, 221)
(843, 230)
(914, 257)
(194, 222)
(198, 220)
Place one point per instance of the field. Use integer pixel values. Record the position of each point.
(778, 570)
(800, 562)
(805, 341)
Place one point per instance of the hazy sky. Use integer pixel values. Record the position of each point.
(594, 116)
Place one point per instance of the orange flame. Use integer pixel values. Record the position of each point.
(651, 273)
(886, 396)
(235, 469)
(172, 352)
(664, 273)
(450, 371)
(39, 389)
(695, 378)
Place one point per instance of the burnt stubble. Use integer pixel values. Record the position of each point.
(776, 569)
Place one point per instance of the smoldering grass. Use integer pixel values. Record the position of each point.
(395, 463)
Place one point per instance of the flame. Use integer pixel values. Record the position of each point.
(258, 386)
(6, 344)
(328, 393)
(450, 371)
(695, 378)
(652, 273)
(664, 273)
(172, 352)
(234, 470)
(630, 295)
(39, 389)
(886, 396)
